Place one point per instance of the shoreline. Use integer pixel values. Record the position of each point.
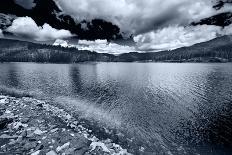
(32, 126)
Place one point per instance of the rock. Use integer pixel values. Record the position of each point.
(25, 120)
(17, 125)
(5, 136)
(4, 122)
(59, 148)
(29, 146)
(40, 105)
(36, 153)
(70, 151)
(7, 112)
(2, 101)
(51, 153)
(95, 145)
(39, 132)
(54, 130)
(82, 150)
(72, 134)
(40, 147)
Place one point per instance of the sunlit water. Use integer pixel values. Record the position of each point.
(165, 108)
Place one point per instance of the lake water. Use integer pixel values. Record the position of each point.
(159, 108)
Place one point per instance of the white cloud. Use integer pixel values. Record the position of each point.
(100, 46)
(139, 16)
(63, 43)
(1, 34)
(176, 37)
(227, 30)
(26, 27)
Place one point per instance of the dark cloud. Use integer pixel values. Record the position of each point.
(154, 24)
(27, 4)
(139, 16)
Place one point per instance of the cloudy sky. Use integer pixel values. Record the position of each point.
(155, 25)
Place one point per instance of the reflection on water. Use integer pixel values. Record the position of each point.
(176, 108)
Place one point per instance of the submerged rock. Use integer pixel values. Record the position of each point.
(4, 122)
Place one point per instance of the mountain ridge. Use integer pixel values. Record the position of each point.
(216, 50)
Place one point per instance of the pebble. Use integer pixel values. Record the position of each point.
(59, 148)
(39, 132)
(54, 130)
(36, 153)
(51, 153)
(36, 139)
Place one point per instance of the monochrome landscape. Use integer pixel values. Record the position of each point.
(116, 77)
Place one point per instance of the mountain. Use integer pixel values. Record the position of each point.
(216, 50)
(46, 11)
(222, 19)
(221, 3)
(22, 51)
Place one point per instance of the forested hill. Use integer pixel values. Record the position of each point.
(217, 50)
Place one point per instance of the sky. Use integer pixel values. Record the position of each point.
(155, 25)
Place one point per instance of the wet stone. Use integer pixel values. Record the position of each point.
(4, 122)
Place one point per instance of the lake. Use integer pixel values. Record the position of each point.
(157, 108)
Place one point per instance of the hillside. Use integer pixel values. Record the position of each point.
(21, 51)
(217, 50)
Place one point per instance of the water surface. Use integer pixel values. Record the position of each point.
(164, 108)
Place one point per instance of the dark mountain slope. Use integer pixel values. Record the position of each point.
(223, 19)
(217, 50)
(22, 51)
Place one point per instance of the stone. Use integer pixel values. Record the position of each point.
(5, 136)
(54, 130)
(4, 122)
(59, 148)
(51, 153)
(25, 120)
(36, 153)
(29, 146)
(40, 105)
(39, 132)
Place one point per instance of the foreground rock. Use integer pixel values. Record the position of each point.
(29, 126)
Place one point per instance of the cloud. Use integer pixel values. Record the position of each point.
(134, 16)
(100, 46)
(1, 34)
(27, 4)
(227, 30)
(173, 37)
(26, 27)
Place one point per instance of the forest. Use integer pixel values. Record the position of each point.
(217, 50)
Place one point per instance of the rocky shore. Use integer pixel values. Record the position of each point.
(30, 126)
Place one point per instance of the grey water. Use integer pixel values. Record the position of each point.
(166, 108)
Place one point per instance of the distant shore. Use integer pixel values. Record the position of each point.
(35, 127)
